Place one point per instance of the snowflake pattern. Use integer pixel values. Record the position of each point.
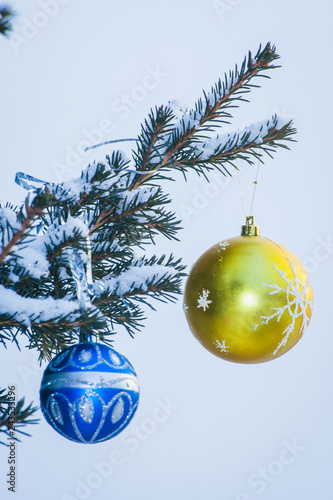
(203, 300)
(222, 346)
(297, 303)
(224, 244)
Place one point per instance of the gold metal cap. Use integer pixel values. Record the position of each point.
(250, 228)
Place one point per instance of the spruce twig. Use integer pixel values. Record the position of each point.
(22, 416)
(6, 18)
(214, 110)
(32, 213)
(120, 204)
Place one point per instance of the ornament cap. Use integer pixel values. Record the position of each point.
(250, 228)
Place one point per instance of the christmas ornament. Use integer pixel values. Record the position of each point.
(248, 299)
(89, 393)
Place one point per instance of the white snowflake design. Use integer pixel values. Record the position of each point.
(203, 300)
(297, 303)
(222, 346)
(224, 244)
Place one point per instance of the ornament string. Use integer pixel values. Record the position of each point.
(90, 281)
(83, 277)
(255, 186)
(81, 271)
(77, 267)
(126, 140)
(22, 180)
(108, 142)
(240, 184)
(241, 192)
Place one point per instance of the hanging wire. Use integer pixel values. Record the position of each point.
(127, 140)
(89, 274)
(255, 186)
(108, 142)
(240, 185)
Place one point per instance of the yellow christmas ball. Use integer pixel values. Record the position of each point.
(248, 299)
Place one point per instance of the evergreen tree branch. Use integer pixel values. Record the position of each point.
(140, 214)
(215, 109)
(115, 208)
(51, 337)
(157, 125)
(12, 420)
(120, 206)
(32, 213)
(157, 278)
(219, 151)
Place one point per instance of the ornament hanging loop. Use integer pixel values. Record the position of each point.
(255, 185)
(250, 228)
(252, 231)
(240, 184)
(83, 278)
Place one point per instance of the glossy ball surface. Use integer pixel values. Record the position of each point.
(89, 393)
(248, 299)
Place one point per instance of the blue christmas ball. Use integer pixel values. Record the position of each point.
(89, 393)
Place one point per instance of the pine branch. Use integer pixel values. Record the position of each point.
(49, 324)
(149, 143)
(12, 420)
(51, 337)
(106, 255)
(120, 205)
(32, 213)
(144, 279)
(215, 108)
(120, 312)
(6, 18)
(139, 215)
(98, 183)
(260, 138)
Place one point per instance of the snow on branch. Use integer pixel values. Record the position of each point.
(137, 197)
(9, 224)
(96, 176)
(187, 132)
(264, 136)
(20, 231)
(251, 135)
(33, 254)
(135, 278)
(25, 310)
